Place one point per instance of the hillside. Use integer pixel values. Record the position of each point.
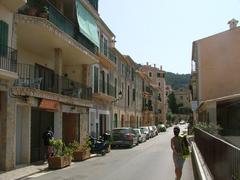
(177, 80)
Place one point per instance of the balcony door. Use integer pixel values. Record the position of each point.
(49, 81)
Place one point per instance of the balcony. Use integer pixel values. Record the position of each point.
(55, 30)
(8, 62)
(107, 57)
(147, 107)
(29, 77)
(106, 92)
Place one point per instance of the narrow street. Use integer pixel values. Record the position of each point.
(151, 160)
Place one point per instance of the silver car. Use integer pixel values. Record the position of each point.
(141, 136)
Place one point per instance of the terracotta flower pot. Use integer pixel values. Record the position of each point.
(58, 162)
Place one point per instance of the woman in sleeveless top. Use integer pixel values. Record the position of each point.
(177, 153)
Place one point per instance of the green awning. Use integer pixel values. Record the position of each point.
(87, 24)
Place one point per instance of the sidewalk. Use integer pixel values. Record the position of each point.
(23, 171)
(26, 170)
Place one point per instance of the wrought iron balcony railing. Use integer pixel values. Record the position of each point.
(56, 17)
(8, 58)
(29, 76)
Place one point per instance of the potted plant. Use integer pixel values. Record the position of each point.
(43, 12)
(81, 151)
(61, 158)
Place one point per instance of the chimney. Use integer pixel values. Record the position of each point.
(233, 23)
(154, 65)
(147, 63)
(161, 67)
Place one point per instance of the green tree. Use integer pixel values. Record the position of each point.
(172, 103)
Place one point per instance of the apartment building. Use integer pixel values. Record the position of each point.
(104, 83)
(214, 81)
(157, 81)
(183, 97)
(53, 89)
(8, 73)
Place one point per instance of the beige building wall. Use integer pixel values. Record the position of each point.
(27, 57)
(219, 62)
(183, 97)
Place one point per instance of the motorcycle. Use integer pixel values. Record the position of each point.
(99, 145)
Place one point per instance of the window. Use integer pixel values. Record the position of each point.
(150, 74)
(158, 75)
(134, 94)
(3, 38)
(95, 85)
(115, 88)
(103, 81)
(181, 97)
(128, 96)
(159, 84)
(105, 46)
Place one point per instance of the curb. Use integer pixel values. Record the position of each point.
(203, 172)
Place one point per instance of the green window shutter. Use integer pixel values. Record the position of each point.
(3, 38)
(95, 80)
(3, 33)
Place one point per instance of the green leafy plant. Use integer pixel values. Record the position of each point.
(208, 127)
(76, 146)
(58, 146)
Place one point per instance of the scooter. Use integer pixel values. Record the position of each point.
(99, 145)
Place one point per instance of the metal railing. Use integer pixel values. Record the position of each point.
(30, 77)
(61, 21)
(8, 58)
(56, 17)
(222, 158)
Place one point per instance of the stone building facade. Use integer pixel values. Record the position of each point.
(54, 73)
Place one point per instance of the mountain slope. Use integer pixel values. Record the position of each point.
(177, 80)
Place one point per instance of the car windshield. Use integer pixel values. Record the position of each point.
(122, 131)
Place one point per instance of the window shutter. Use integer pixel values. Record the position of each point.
(3, 33)
(3, 38)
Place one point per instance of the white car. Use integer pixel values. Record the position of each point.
(141, 135)
(182, 122)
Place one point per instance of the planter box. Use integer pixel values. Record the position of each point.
(59, 162)
(81, 155)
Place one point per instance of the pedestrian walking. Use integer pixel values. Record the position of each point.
(176, 145)
(48, 149)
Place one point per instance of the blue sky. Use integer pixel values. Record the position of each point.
(161, 32)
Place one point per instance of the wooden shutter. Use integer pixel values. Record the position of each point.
(3, 38)
(3, 33)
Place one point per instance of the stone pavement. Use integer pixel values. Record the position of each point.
(23, 171)
(26, 170)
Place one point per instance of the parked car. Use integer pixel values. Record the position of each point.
(161, 128)
(152, 134)
(146, 131)
(124, 136)
(182, 122)
(141, 135)
(155, 130)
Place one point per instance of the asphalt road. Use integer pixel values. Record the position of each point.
(151, 160)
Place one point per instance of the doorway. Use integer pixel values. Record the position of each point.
(71, 127)
(40, 121)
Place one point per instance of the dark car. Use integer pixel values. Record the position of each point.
(124, 137)
(161, 128)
